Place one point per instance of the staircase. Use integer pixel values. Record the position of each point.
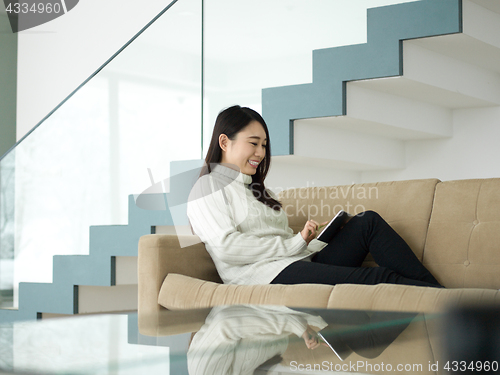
(421, 61)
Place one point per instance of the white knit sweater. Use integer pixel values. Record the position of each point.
(249, 242)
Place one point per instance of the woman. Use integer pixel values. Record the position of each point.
(246, 231)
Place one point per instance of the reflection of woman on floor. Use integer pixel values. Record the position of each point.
(246, 231)
(238, 339)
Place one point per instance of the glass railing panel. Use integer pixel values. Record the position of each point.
(7, 230)
(77, 169)
(259, 44)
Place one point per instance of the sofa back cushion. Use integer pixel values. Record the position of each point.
(463, 244)
(405, 205)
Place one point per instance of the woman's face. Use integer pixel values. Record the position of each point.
(247, 150)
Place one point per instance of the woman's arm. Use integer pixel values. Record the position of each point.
(212, 220)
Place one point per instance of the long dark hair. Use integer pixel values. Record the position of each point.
(230, 122)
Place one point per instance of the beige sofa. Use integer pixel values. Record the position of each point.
(452, 226)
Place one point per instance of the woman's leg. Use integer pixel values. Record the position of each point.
(302, 272)
(369, 232)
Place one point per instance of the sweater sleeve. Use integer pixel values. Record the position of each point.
(315, 245)
(211, 218)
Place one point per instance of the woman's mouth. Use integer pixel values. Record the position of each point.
(254, 164)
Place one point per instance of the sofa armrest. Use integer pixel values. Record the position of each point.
(159, 255)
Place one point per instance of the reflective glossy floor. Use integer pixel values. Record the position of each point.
(249, 339)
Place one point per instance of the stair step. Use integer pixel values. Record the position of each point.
(47, 297)
(95, 271)
(481, 20)
(446, 81)
(356, 151)
(100, 299)
(83, 270)
(44, 300)
(378, 113)
(488, 4)
(465, 48)
(113, 240)
(291, 171)
(184, 230)
(126, 270)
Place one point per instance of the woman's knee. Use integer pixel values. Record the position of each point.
(365, 219)
(370, 216)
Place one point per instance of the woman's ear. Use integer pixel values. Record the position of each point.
(223, 139)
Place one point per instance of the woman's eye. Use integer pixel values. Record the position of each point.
(255, 144)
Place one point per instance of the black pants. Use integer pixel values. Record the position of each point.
(340, 261)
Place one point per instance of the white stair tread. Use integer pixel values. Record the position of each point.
(358, 150)
(99, 299)
(126, 270)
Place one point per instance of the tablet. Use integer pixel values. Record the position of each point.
(335, 343)
(333, 226)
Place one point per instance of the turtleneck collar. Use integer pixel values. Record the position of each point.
(232, 174)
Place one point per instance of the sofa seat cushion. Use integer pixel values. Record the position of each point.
(184, 292)
(407, 298)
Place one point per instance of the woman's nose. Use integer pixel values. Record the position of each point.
(260, 152)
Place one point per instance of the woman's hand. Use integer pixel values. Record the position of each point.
(311, 338)
(309, 231)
